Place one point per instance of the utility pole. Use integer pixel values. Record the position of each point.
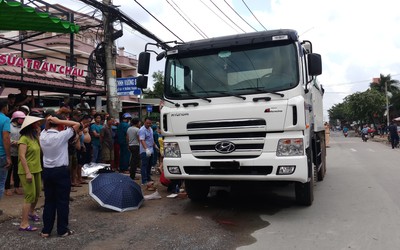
(387, 105)
(113, 103)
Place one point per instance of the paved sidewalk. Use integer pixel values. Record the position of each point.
(380, 139)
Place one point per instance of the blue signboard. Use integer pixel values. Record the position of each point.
(149, 108)
(127, 86)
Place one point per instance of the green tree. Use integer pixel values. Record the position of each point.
(393, 92)
(158, 86)
(365, 106)
(393, 85)
(340, 112)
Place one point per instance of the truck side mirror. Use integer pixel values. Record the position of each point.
(144, 63)
(141, 82)
(314, 64)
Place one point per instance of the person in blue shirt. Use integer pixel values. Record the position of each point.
(345, 131)
(147, 146)
(95, 129)
(5, 144)
(124, 153)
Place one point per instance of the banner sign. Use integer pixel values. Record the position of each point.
(28, 63)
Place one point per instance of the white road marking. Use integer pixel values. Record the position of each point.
(352, 149)
(371, 150)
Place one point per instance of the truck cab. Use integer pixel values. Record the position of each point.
(243, 108)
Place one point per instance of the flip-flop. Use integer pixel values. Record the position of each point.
(28, 229)
(68, 233)
(34, 217)
(43, 235)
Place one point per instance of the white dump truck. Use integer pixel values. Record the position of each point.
(242, 108)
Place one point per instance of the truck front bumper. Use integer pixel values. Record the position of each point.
(262, 168)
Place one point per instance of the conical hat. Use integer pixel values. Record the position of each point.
(29, 120)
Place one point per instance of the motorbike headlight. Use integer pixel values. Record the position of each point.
(171, 150)
(290, 147)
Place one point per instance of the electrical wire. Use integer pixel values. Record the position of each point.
(253, 14)
(187, 18)
(227, 16)
(148, 12)
(239, 15)
(219, 16)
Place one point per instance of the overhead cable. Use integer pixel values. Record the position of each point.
(239, 15)
(253, 14)
(148, 12)
(181, 13)
(227, 16)
(219, 16)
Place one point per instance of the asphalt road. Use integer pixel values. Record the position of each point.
(355, 207)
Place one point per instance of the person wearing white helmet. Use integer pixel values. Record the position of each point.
(25, 109)
(17, 119)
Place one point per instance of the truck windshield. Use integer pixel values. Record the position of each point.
(231, 72)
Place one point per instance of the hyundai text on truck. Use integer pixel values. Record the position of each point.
(242, 108)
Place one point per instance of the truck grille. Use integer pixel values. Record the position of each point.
(205, 136)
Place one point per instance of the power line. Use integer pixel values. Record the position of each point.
(355, 82)
(133, 32)
(227, 16)
(219, 16)
(190, 19)
(148, 12)
(200, 32)
(239, 15)
(253, 14)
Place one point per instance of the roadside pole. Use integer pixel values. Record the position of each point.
(113, 103)
(387, 105)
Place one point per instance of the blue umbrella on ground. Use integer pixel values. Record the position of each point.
(116, 191)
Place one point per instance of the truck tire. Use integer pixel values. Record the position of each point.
(305, 191)
(197, 190)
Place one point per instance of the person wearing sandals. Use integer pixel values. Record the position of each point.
(56, 175)
(29, 169)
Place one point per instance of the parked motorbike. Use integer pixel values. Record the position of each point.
(364, 137)
(345, 134)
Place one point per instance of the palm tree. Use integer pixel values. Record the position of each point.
(393, 86)
(393, 91)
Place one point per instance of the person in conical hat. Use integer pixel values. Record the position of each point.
(29, 170)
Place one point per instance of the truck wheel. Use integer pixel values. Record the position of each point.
(197, 190)
(305, 191)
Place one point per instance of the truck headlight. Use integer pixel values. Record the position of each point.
(171, 150)
(290, 147)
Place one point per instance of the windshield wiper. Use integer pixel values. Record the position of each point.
(175, 103)
(263, 91)
(198, 97)
(229, 94)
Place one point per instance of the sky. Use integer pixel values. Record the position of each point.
(357, 39)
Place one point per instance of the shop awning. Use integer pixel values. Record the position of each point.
(15, 16)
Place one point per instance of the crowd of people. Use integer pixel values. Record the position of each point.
(46, 150)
